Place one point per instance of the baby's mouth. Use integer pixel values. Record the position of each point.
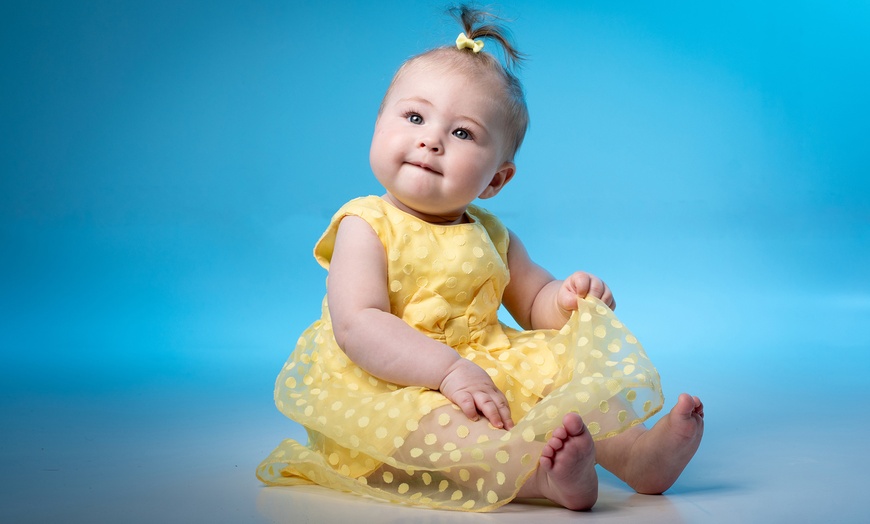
(425, 166)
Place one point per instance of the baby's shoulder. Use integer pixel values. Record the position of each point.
(366, 206)
(369, 208)
(495, 228)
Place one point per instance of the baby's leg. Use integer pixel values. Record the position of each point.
(650, 461)
(566, 471)
(458, 462)
(463, 460)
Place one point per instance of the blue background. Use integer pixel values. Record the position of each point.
(168, 165)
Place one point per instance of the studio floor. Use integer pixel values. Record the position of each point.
(774, 451)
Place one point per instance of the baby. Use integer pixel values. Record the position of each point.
(409, 387)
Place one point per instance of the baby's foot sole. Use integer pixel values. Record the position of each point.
(568, 465)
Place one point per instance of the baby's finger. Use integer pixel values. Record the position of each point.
(567, 299)
(486, 405)
(466, 403)
(607, 298)
(505, 411)
(495, 409)
(579, 284)
(597, 288)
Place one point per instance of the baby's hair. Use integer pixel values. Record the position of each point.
(477, 24)
(473, 21)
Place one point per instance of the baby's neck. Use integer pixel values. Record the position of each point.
(439, 220)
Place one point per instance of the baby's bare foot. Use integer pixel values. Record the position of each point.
(660, 454)
(568, 465)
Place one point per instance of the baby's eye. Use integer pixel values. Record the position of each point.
(414, 118)
(462, 134)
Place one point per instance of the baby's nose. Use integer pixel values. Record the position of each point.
(430, 143)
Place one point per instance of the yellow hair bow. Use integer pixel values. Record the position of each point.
(463, 41)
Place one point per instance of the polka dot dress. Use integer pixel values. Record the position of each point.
(411, 445)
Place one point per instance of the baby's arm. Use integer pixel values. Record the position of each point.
(386, 346)
(537, 300)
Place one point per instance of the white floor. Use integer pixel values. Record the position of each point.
(786, 453)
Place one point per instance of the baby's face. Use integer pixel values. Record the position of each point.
(439, 140)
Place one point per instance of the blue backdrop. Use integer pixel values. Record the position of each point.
(168, 165)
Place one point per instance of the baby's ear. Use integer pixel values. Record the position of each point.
(504, 175)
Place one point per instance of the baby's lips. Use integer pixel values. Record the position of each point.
(424, 165)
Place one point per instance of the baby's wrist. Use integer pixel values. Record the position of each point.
(452, 366)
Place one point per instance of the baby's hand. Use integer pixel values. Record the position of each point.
(468, 386)
(583, 285)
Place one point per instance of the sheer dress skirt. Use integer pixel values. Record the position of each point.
(411, 445)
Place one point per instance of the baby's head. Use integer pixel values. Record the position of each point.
(449, 126)
(481, 68)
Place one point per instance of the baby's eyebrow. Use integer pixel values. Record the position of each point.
(474, 121)
(418, 99)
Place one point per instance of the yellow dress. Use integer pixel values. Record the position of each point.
(410, 444)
